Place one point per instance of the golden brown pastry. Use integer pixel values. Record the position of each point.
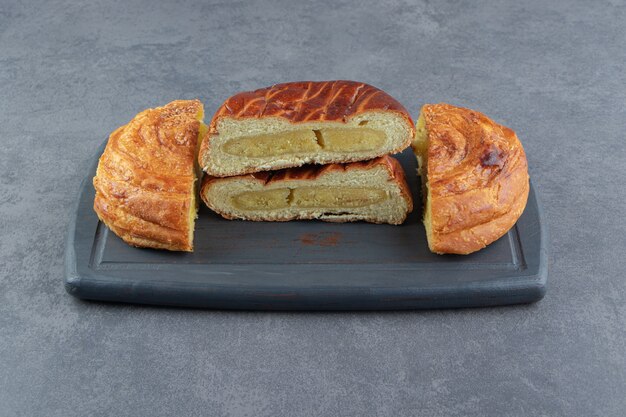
(292, 124)
(145, 182)
(474, 175)
(374, 191)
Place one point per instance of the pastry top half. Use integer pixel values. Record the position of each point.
(375, 191)
(145, 181)
(292, 124)
(475, 178)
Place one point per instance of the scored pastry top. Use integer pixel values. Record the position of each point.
(157, 145)
(309, 101)
(478, 177)
(145, 176)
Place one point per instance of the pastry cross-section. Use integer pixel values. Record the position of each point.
(292, 124)
(147, 176)
(373, 191)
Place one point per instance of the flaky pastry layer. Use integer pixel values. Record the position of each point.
(475, 178)
(145, 181)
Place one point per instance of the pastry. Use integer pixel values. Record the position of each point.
(374, 191)
(146, 178)
(474, 175)
(292, 124)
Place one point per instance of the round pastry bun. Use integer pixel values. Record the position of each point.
(146, 178)
(305, 107)
(474, 175)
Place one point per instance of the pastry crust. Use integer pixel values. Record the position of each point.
(145, 181)
(308, 101)
(307, 105)
(477, 178)
(332, 175)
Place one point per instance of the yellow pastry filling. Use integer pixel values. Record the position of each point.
(309, 197)
(262, 200)
(344, 197)
(304, 141)
(350, 140)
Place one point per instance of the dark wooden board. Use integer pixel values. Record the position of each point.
(307, 265)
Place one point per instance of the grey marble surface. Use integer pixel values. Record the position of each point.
(554, 71)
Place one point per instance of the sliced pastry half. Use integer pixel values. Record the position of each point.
(292, 124)
(474, 175)
(374, 191)
(146, 178)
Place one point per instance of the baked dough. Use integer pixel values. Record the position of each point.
(292, 124)
(474, 175)
(145, 181)
(374, 191)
